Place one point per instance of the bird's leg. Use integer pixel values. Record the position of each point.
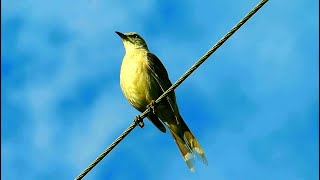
(152, 107)
(139, 121)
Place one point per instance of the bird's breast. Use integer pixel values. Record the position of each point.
(135, 80)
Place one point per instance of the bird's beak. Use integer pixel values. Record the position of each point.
(121, 35)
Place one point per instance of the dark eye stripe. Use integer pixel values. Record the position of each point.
(133, 36)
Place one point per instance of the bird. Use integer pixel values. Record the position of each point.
(143, 78)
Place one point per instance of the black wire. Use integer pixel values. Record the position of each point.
(139, 119)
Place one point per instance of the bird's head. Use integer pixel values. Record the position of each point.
(132, 40)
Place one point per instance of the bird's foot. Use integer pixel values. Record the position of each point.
(139, 121)
(152, 107)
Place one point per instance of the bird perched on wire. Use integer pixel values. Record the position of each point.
(143, 78)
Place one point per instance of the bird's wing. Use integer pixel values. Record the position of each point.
(159, 73)
(154, 119)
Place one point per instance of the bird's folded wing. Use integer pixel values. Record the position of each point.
(160, 74)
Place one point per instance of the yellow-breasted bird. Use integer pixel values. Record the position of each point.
(143, 78)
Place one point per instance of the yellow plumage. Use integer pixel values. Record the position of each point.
(143, 78)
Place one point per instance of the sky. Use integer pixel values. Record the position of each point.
(253, 105)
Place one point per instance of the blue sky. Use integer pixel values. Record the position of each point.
(253, 105)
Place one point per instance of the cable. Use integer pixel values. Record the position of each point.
(139, 119)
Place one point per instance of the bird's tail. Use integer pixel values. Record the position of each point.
(189, 146)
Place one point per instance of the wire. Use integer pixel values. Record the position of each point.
(139, 119)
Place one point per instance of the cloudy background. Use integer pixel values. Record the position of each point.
(253, 105)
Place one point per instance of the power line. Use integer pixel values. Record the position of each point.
(139, 119)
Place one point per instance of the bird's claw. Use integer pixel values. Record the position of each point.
(139, 121)
(152, 107)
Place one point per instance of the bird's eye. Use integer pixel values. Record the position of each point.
(135, 36)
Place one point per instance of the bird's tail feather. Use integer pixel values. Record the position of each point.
(190, 148)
